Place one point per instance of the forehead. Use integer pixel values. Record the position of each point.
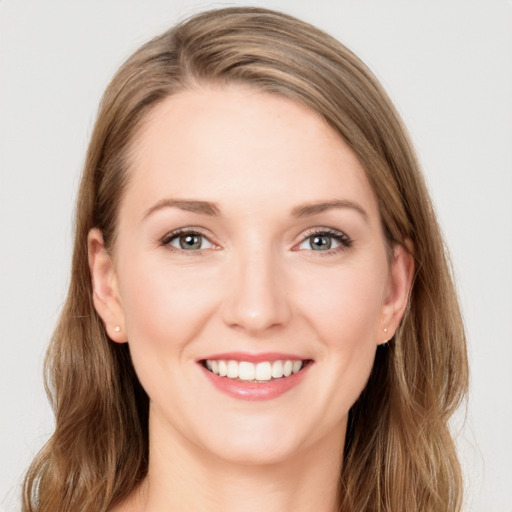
(245, 148)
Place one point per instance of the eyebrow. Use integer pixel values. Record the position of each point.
(203, 207)
(309, 209)
(212, 209)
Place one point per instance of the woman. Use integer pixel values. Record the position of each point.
(261, 313)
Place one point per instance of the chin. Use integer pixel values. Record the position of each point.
(257, 443)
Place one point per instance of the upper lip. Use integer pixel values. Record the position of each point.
(254, 358)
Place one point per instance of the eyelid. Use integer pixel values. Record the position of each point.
(189, 230)
(342, 238)
(345, 242)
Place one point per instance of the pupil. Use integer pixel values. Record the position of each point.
(321, 242)
(190, 242)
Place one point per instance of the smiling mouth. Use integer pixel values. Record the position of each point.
(246, 371)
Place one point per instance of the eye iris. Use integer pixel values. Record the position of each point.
(190, 242)
(320, 242)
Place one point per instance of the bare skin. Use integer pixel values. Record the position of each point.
(279, 250)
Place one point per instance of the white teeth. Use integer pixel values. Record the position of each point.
(247, 371)
(263, 371)
(297, 365)
(277, 369)
(232, 369)
(223, 368)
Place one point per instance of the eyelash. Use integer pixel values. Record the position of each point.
(340, 237)
(345, 241)
(169, 237)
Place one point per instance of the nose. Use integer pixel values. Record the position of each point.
(256, 295)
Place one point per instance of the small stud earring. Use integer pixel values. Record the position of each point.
(385, 330)
(117, 328)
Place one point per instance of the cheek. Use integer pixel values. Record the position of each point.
(345, 305)
(164, 307)
(345, 316)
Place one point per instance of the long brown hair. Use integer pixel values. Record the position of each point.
(399, 454)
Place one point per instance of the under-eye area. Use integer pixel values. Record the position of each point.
(263, 371)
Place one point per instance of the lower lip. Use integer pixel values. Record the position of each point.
(255, 390)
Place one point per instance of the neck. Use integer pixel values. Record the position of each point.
(182, 476)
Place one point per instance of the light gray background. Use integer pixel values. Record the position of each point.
(447, 65)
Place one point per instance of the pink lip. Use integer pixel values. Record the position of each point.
(255, 391)
(255, 358)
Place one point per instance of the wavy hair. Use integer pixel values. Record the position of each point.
(399, 454)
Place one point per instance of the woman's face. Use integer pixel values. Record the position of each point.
(248, 236)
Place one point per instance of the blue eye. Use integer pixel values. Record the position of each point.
(322, 241)
(187, 241)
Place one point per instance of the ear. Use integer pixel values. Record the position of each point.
(105, 291)
(401, 274)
